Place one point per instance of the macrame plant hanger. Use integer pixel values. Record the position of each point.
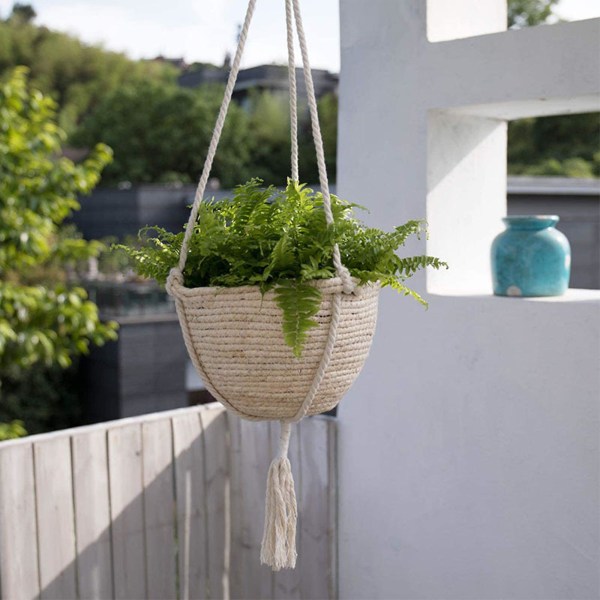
(279, 538)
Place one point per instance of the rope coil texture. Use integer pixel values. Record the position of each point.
(235, 341)
(234, 335)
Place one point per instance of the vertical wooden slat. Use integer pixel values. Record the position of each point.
(19, 575)
(214, 425)
(56, 522)
(159, 509)
(236, 579)
(127, 511)
(190, 493)
(92, 514)
(287, 581)
(332, 458)
(316, 526)
(250, 459)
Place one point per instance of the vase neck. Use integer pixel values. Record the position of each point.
(530, 222)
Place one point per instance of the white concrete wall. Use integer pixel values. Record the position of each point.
(468, 447)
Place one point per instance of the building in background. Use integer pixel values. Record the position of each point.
(263, 78)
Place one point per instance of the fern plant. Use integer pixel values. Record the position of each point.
(279, 239)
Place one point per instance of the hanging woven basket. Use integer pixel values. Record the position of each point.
(235, 340)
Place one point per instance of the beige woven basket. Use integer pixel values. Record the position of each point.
(235, 340)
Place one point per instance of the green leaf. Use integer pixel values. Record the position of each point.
(44, 321)
(299, 303)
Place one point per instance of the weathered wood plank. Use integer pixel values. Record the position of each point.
(19, 575)
(127, 511)
(159, 510)
(92, 514)
(216, 457)
(314, 498)
(332, 459)
(250, 459)
(55, 514)
(236, 579)
(191, 506)
(287, 581)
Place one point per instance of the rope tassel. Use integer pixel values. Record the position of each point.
(278, 548)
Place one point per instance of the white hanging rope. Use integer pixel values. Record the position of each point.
(293, 90)
(336, 301)
(214, 142)
(341, 270)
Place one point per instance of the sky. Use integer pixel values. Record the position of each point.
(204, 30)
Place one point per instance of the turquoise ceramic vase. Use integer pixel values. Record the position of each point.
(531, 258)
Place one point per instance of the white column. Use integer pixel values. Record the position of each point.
(468, 448)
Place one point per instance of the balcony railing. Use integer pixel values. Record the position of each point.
(168, 505)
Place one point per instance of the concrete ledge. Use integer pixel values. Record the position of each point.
(574, 296)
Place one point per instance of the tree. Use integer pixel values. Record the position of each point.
(45, 320)
(328, 119)
(526, 13)
(269, 125)
(22, 13)
(565, 145)
(160, 132)
(12, 430)
(76, 75)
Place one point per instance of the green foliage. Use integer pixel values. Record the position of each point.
(43, 319)
(161, 133)
(76, 75)
(526, 13)
(22, 13)
(280, 239)
(269, 139)
(328, 120)
(565, 145)
(45, 399)
(299, 303)
(10, 431)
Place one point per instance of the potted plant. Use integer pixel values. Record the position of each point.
(257, 289)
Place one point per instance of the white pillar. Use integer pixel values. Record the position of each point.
(468, 448)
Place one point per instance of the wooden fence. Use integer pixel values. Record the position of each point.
(163, 506)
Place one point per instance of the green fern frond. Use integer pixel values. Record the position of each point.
(299, 303)
(403, 232)
(404, 290)
(407, 267)
(247, 199)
